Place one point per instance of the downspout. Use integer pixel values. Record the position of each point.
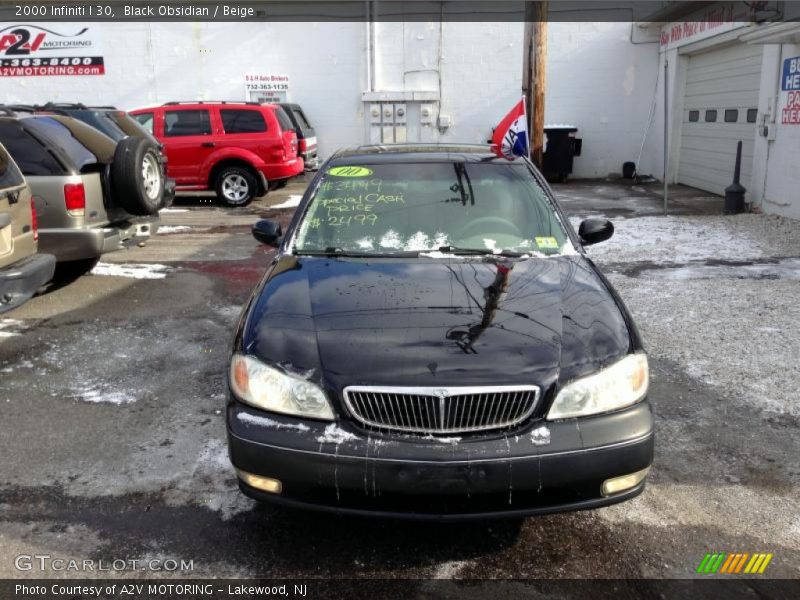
(370, 46)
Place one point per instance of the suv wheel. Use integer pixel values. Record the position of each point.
(235, 186)
(136, 176)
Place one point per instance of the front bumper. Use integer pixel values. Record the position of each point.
(91, 242)
(490, 476)
(20, 281)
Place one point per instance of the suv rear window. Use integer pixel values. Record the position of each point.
(82, 145)
(186, 122)
(31, 156)
(301, 118)
(9, 173)
(145, 120)
(242, 121)
(284, 120)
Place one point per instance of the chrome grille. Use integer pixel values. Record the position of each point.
(441, 410)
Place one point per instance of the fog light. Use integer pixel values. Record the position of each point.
(265, 484)
(615, 485)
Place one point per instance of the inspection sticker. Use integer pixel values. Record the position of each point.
(350, 172)
(547, 242)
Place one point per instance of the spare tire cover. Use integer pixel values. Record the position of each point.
(137, 176)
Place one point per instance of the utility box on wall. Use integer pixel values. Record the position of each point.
(400, 117)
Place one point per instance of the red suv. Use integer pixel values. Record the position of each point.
(238, 149)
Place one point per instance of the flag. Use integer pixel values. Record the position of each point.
(510, 138)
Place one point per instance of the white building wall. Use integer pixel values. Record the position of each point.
(602, 83)
(597, 79)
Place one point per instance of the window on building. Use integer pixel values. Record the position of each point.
(731, 115)
(694, 116)
(186, 122)
(145, 120)
(711, 116)
(242, 121)
(752, 113)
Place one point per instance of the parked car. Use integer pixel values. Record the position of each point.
(238, 149)
(306, 136)
(431, 340)
(93, 195)
(22, 270)
(116, 124)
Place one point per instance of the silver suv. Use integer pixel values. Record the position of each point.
(92, 194)
(22, 270)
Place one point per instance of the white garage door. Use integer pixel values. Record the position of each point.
(719, 109)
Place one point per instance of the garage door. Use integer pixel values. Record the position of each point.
(719, 109)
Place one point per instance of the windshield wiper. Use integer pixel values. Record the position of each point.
(477, 251)
(336, 251)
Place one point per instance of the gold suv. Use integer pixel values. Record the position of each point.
(22, 270)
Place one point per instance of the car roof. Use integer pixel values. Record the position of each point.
(412, 153)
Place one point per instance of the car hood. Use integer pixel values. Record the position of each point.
(434, 322)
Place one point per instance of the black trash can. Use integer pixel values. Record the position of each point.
(561, 146)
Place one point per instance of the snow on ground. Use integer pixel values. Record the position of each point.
(292, 202)
(733, 326)
(166, 229)
(11, 327)
(685, 238)
(174, 210)
(132, 270)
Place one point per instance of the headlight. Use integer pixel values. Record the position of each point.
(267, 388)
(620, 385)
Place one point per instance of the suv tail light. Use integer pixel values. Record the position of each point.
(34, 220)
(75, 199)
(303, 145)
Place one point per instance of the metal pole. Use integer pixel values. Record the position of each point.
(666, 133)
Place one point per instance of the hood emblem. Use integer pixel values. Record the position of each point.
(442, 395)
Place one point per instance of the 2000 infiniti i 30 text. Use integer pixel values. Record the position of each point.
(431, 340)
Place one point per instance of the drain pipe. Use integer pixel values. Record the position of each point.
(370, 46)
(666, 132)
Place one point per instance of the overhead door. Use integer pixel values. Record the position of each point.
(720, 108)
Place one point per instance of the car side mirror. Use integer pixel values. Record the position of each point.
(594, 231)
(267, 232)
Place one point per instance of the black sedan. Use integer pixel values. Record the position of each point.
(431, 341)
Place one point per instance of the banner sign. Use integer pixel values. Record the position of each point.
(790, 80)
(65, 49)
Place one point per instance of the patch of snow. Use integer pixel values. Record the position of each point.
(678, 239)
(94, 394)
(366, 243)
(390, 239)
(11, 327)
(449, 569)
(491, 245)
(443, 440)
(292, 202)
(132, 270)
(437, 254)
(174, 210)
(333, 434)
(418, 241)
(173, 229)
(271, 423)
(540, 436)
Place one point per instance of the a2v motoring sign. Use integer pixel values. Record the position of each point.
(790, 82)
(30, 50)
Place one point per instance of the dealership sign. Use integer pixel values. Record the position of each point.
(266, 87)
(30, 50)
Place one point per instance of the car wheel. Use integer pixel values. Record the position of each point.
(136, 176)
(235, 186)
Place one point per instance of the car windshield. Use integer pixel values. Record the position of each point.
(456, 207)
